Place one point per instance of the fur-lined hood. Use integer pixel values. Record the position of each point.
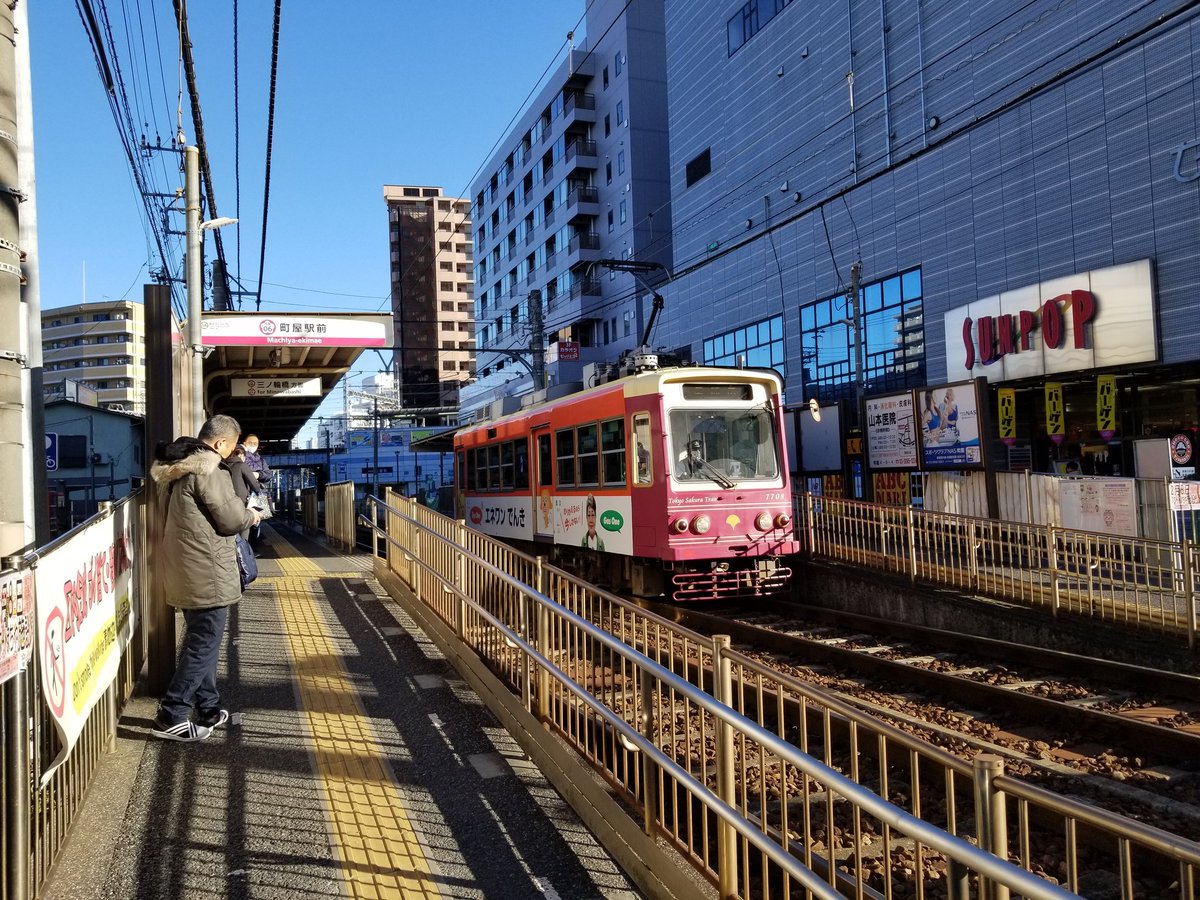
(186, 456)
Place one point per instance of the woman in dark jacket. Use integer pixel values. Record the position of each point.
(244, 482)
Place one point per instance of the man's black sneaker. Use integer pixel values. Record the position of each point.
(180, 731)
(212, 718)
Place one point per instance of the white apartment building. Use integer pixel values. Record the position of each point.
(101, 346)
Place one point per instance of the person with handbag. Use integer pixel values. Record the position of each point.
(264, 476)
(200, 576)
(245, 485)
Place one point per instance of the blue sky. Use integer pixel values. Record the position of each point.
(369, 92)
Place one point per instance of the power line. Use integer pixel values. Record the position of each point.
(262, 252)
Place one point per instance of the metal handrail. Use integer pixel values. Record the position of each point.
(953, 847)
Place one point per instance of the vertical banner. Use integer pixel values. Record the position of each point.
(85, 619)
(1106, 406)
(16, 623)
(1056, 417)
(1008, 416)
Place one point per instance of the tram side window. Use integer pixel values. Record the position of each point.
(589, 457)
(612, 448)
(479, 468)
(506, 466)
(493, 467)
(641, 444)
(467, 469)
(545, 461)
(522, 464)
(565, 454)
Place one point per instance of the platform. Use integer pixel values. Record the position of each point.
(356, 764)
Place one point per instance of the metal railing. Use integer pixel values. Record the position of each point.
(1135, 582)
(37, 816)
(765, 783)
(339, 514)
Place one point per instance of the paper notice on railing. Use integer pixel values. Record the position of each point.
(16, 623)
(1185, 495)
(1103, 505)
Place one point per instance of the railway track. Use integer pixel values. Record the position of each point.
(1052, 715)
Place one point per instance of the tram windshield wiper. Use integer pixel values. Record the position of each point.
(696, 462)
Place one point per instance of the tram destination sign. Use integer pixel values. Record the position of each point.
(297, 330)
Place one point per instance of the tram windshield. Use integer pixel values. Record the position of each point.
(724, 446)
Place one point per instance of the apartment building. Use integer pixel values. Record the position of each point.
(581, 177)
(100, 345)
(432, 293)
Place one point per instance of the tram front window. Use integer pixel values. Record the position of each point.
(723, 445)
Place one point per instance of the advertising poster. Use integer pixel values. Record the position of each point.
(949, 416)
(1100, 505)
(503, 516)
(595, 522)
(891, 432)
(1106, 406)
(16, 623)
(1007, 416)
(1056, 413)
(85, 619)
(891, 488)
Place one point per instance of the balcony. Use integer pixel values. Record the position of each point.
(584, 247)
(548, 220)
(581, 154)
(531, 277)
(550, 258)
(589, 287)
(583, 201)
(579, 108)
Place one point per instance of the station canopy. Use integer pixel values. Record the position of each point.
(270, 371)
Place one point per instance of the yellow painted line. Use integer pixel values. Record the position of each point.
(369, 828)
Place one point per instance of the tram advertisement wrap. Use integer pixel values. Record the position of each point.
(596, 522)
(16, 623)
(85, 620)
(507, 517)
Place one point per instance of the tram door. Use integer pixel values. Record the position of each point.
(544, 484)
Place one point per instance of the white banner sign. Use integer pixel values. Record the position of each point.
(276, 387)
(326, 330)
(16, 623)
(1103, 505)
(85, 619)
(891, 432)
(510, 517)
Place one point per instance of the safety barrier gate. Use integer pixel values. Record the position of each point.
(767, 784)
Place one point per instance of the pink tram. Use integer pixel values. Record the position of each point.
(671, 481)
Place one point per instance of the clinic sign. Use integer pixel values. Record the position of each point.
(287, 330)
(1096, 319)
(85, 620)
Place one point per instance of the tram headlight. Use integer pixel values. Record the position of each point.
(763, 521)
(680, 525)
(701, 524)
(783, 520)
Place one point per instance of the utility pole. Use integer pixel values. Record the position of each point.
(859, 410)
(375, 442)
(537, 340)
(12, 359)
(194, 278)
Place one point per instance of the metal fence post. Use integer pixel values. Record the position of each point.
(460, 582)
(883, 537)
(649, 766)
(374, 507)
(991, 818)
(1052, 562)
(972, 548)
(15, 778)
(912, 545)
(809, 527)
(1189, 592)
(543, 643)
(726, 785)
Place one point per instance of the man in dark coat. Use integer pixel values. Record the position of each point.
(200, 570)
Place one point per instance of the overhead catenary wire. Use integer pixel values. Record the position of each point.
(262, 252)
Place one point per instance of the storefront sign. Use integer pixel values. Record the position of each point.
(1106, 406)
(275, 387)
(1007, 403)
(84, 621)
(950, 427)
(16, 623)
(891, 488)
(325, 330)
(1056, 417)
(1105, 317)
(891, 432)
(1181, 450)
(568, 350)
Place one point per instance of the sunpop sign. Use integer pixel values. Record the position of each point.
(1092, 320)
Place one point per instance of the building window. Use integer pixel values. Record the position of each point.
(607, 339)
(628, 320)
(620, 162)
(761, 344)
(606, 78)
(749, 20)
(620, 112)
(618, 63)
(611, 226)
(608, 173)
(893, 339)
(699, 166)
(623, 213)
(607, 126)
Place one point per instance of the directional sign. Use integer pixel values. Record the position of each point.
(276, 387)
(51, 451)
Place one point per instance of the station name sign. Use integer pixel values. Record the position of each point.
(1091, 320)
(297, 330)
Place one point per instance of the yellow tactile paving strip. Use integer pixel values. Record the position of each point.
(370, 830)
